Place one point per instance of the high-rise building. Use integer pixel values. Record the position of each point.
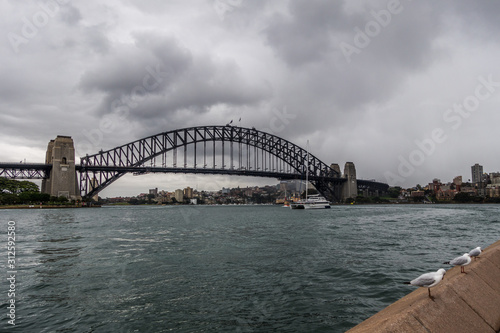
(188, 192)
(179, 195)
(477, 173)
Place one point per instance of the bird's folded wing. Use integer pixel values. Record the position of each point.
(458, 261)
(424, 281)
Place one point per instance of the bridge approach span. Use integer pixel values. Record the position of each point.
(25, 170)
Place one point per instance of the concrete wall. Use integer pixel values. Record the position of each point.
(462, 302)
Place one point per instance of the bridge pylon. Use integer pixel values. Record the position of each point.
(62, 180)
(350, 187)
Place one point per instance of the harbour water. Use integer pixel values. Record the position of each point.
(226, 268)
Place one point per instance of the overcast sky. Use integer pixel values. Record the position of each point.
(407, 90)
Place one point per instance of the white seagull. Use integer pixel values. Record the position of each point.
(428, 280)
(475, 252)
(460, 261)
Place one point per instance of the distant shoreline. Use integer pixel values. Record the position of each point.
(45, 206)
(335, 204)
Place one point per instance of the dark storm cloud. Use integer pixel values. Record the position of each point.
(127, 66)
(303, 36)
(154, 65)
(309, 40)
(157, 77)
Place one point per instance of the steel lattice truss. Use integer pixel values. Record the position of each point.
(25, 171)
(208, 150)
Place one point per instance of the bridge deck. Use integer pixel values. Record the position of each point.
(24, 170)
(226, 171)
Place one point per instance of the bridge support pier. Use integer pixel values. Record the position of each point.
(350, 187)
(62, 180)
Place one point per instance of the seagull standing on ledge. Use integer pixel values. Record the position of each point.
(428, 280)
(475, 252)
(460, 261)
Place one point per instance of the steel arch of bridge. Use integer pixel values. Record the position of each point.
(279, 158)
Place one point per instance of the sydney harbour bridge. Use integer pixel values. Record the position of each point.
(219, 150)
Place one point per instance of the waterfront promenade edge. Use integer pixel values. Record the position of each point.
(463, 302)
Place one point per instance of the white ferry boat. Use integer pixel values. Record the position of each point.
(314, 201)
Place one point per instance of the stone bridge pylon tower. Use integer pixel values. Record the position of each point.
(349, 188)
(62, 179)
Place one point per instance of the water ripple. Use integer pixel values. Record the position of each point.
(230, 269)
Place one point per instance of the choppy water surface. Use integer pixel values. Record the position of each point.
(227, 269)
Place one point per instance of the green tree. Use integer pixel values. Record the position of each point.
(394, 191)
(462, 197)
(361, 199)
(27, 186)
(8, 185)
(15, 187)
(27, 197)
(43, 197)
(14, 192)
(349, 200)
(9, 199)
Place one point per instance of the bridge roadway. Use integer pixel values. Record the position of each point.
(25, 170)
(42, 170)
(225, 171)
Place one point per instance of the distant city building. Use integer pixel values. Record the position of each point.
(469, 189)
(179, 195)
(154, 191)
(457, 181)
(188, 192)
(495, 178)
(417, 193)
(435, 185)
(477, 173)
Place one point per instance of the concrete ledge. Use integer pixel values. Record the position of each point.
(462, 302)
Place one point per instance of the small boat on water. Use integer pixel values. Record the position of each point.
(314, 201)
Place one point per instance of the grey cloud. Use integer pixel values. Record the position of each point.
(96, 39)
(309, 41)
(304, 37)
(480, 18)
(70, 14)
(185, 81)
(255, 60)
(134, 65)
